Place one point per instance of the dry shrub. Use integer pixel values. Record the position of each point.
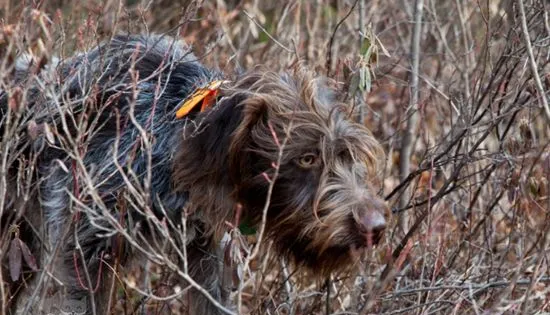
(477, 233)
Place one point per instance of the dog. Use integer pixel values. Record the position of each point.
(136, 134)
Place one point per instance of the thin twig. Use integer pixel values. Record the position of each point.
(412, 112)
(361, 41)
(331, 41)
(532, 61)
(263, 223)
(267, 33)
(477, 287)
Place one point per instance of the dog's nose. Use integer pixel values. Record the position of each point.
(372, 222)
(372, 226)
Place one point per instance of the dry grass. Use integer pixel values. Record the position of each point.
(476, 238)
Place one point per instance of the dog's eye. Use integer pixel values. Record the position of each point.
(308, 160)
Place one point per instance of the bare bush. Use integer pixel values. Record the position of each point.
(476, 194)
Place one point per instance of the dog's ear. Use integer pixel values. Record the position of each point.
(215, 143)
(254, 112)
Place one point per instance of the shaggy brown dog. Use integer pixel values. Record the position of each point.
(114, 162)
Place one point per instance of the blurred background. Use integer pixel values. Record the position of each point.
(454, 90)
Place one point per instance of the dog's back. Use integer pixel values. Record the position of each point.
(86, 118)
(100, 100)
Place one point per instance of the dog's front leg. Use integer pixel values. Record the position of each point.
(85, 273)
(205, 265)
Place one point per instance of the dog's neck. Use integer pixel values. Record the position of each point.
(202, 164)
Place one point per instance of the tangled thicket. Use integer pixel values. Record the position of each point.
(470, 221)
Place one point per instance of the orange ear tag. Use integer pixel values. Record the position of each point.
(205, 95)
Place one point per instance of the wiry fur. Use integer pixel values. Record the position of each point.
(101, 104)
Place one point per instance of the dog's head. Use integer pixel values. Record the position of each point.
(282, 143)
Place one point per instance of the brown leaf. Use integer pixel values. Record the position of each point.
(49, 134)
(15, 99)
(32, 129)
(28, 256)
(15, 259)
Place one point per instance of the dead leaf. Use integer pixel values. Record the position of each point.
(49, 134)
(28, 256)
(32, 129)
(14, 258)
